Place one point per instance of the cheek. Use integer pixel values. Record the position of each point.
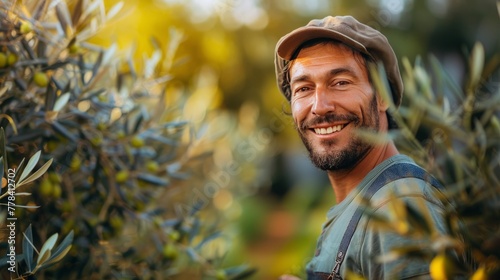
(361, 101)
(299, 110)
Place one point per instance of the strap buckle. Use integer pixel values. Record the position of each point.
(335, 275)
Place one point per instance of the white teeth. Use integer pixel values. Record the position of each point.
(328, 130)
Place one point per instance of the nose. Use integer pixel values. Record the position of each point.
(323, 103)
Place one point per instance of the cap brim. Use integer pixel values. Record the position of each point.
(288, 44)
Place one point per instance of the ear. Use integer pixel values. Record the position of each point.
(382, 103)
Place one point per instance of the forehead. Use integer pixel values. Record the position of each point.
(326, 54)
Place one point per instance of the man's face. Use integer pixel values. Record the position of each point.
(332, 97)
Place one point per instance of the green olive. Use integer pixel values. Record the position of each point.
(11, 59)
(74, 48)
(56, 191)
(26, 27)
(152, 166)
(55, 178)
(220, 274)
(46, 188)
(170, 251)
(137, 142)
(75, 164)
(122, 176)
(41, 79)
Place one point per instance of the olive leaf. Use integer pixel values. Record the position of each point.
(61, 102)
(36, 174)
(29, 166)
(45, 252)
(49, 256)
(61, 250)
(28, 248)
(476, 65)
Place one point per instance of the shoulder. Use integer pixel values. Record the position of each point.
(403, 179)
(410, 190)
(409, 186)
(391, 202)
(387, 226)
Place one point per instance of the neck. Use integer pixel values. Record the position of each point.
(344, 181)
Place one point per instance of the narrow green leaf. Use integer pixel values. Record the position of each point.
(163, 140)
(208, 239)
(407, 66)
(19, 169)
(28, 248)
(54, 259)
(3, 144)
(1, 171)
(175, 124)
(77, 13)
(92, 94)
(240, 272)
(408, 251)
(83, 69)
(61, 102)
(245, 274)
(372, 136)
(418, 220)
(109, 54)
(20, 83)
(59, 128)
(414, 118)
(63, 16)
(37, 174)
(495, 125)
(58, 254)
(65, 244)
(138, 123)
(4, 261)
(438, 71)
(45, 252)
(424, 81)
(93, 8)
(11, 122)
(29, 50)
(155, 180)
(42, 258)
(40, 9)
(481, 140)
(476, 64)
(22, 206)
(28, 135)
(50, 99)
(114, 10)
(29, 167)
(192, 254)
(96, 67)
(381, 84)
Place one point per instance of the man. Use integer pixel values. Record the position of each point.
(323, 70)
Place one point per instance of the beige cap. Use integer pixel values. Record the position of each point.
(349, 31)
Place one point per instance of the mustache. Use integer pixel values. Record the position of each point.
(328, 118)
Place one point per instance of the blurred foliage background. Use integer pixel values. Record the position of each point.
(218, 56)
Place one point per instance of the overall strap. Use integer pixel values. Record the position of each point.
(392, 173)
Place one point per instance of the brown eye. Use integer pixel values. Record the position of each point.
(301, 89)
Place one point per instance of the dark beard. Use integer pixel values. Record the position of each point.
(355, 151)
(341, 160)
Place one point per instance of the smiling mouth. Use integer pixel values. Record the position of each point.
(329, 130)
